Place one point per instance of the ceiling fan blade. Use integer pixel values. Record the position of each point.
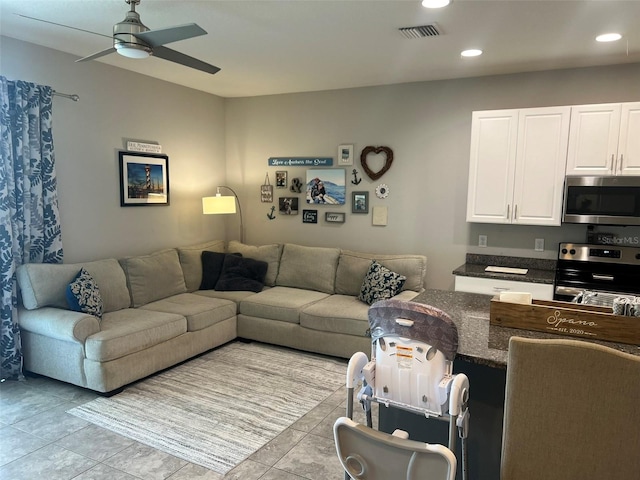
(182, 59)
(97, 55)
(162, 36)
(61, 25)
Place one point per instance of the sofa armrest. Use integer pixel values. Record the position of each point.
(58, 323)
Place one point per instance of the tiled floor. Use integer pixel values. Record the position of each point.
(38, 439)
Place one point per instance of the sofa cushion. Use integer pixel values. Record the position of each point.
(83, 295)
(310, 268)
(132, 330)
(239, 273)
(153, 277)
(380, 283)
(343, 314)
(191, 262)
(235, 296)
(200, 311)
(353, 266)
(266, 253)
(280, 303)
(45, 284)
(211, 269)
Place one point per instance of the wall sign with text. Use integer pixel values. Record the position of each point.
(309, 216)
(300, 161)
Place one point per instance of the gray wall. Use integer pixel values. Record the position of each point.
(427, 125)
(116, 105)
(212, 141)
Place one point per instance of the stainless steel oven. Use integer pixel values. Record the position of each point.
(603, 271)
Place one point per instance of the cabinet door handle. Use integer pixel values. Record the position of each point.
(515, 212)
(508, 211)
(613, 168)
(621, 160)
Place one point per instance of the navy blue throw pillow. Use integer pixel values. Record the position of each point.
(83, 294)
(243, 274)
(212, 268)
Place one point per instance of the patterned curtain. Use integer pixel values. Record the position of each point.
(29, 220)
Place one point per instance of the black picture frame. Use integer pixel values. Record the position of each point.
(282, 179)
(309, 216)
(144, 179)
(359, 202)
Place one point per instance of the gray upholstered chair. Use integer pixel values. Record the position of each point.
(572, 411)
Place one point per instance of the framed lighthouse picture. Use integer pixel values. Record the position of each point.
(144, 179)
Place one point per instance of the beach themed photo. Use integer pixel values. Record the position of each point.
(144, 179)
(326, 186)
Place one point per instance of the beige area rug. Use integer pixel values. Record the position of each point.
(218, 409)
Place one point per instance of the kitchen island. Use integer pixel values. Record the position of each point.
(482, 356)
(480, 342)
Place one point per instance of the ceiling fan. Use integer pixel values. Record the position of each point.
(133, 39)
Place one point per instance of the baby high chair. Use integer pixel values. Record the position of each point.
(413, 347)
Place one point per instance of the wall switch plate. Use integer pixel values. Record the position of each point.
(482, 240)
(539, 245)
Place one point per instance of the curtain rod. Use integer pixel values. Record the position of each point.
(73, 96)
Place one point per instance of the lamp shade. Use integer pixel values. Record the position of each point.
(218, 204)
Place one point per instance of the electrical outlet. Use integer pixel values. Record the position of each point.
(482, 240)
(539, 245)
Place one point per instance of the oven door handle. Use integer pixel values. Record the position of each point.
(568, 291)
(599, 276)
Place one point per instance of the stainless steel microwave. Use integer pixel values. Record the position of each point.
(602, 200)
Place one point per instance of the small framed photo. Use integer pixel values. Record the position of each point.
(334, 217)
(288, 205)
(345, 154)
(144, 179)
(359, 202)
(281, 179)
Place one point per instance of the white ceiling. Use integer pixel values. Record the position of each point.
(269, 47)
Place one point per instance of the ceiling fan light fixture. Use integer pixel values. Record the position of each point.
(473, 52)
(608, 37)
(132, 51)
(435, 3)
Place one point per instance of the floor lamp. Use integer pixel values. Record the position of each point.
(223, 204)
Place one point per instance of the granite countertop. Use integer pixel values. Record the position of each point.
(540, 270)
(480, 342)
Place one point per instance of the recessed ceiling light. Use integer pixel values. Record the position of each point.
(435, 3)
(608, 37)
(474, 52)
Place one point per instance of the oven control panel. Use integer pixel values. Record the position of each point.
(581, 252)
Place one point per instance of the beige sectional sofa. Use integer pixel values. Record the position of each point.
(155, 314)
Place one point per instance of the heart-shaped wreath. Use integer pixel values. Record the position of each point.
(387, 164)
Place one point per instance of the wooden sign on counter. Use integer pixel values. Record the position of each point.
(563, 318)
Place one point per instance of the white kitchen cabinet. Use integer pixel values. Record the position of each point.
(493, 286)
(517, 166)
(604, 139)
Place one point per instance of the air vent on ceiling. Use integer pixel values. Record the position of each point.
(420, 32)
